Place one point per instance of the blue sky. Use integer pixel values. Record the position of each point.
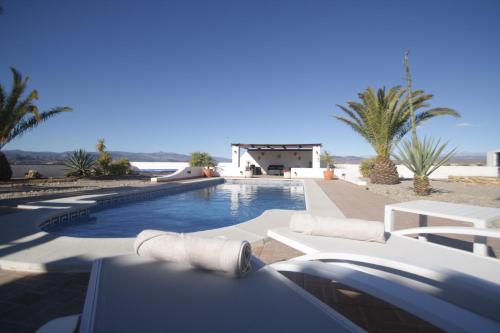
(181, 76)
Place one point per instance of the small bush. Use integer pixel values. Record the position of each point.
(104, 163)
(32, 174)
(120, 167)
(202, 159)
(366, 166)
(79, 163)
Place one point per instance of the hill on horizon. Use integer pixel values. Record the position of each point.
(45, 157)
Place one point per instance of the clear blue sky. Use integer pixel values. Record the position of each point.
(181, 76)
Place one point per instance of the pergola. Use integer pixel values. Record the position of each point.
(277, 146)
(294, 151)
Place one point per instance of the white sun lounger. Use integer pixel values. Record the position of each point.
(134, 294)
(467, 280)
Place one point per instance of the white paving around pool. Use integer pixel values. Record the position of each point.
(24, 246)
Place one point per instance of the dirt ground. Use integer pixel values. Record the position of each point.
(442, 190)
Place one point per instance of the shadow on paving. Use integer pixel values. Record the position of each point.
(29, 300)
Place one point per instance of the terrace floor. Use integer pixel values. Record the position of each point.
(28, 300)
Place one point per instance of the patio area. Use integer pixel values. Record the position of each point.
(28, 300)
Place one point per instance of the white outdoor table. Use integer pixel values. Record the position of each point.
(480, 217)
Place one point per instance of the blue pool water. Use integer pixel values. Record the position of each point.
(202, 209)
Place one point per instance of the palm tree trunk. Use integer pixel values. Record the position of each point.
(384, 171)
(421, 185)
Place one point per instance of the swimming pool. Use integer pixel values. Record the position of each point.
(210, 207)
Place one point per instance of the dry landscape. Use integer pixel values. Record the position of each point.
(444, 190)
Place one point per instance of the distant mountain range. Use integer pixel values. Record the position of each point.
(44, 157)
(31, 157)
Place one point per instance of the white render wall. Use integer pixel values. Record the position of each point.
(352, 170)
(491, 158)
(183, 173)
(343, 171)
(316, 157)
(445, 171)
(159, 165)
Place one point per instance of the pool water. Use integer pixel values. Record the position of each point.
(202, 209)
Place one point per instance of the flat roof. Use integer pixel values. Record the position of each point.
(276, 145)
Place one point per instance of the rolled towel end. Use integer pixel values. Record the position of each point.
(229, 256)
(356, 229)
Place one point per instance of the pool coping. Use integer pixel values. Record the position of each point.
(24, 246)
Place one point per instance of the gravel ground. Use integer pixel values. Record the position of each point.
(442, 190)
(10, 190)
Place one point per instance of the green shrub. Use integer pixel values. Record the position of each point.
(120, 167)
(79, 163)
(104, 163)
(5, 170)
(202, 159)
(366, 166)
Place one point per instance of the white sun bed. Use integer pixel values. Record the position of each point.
(134, 294)
(458, 277)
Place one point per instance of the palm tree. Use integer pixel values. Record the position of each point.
(18, 114)
(383, 118)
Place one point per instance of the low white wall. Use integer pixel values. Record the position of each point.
(228, 170)
(352, 171)
(159, 165)
(445, 171)
(184, 173)
(306, 173)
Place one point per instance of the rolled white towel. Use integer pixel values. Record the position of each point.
(370, 231)
(229, 256)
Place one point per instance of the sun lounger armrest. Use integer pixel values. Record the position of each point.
(495, 233)
(436, 311)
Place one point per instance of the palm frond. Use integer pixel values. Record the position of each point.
(18, 114)
(382, 117)
(32, 122)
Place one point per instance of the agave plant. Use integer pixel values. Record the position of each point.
(79, 163)
(423, 158)
(18, 114)
(383, 118)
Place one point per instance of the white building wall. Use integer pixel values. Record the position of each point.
(352, 170)
(316, 157)
(183, 173)
(159, 165)
(491, 158)
(342, 171)
(235, 156)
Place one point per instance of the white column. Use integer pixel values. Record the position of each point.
(316, 157)
(235, 154)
